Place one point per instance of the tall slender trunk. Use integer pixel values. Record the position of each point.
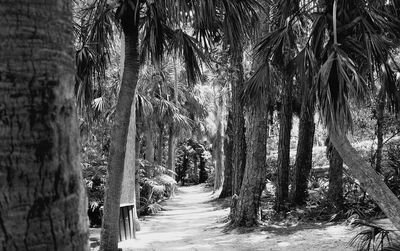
(171, 149)
(160, 145)
(149, 135)
(119, 133)
(137, 173)
(228, 171)
(43, 204)
(128, 191)
(305, 144)
(380, 109)
(219, 144)
(247, 208)
(335, 191)
(238, 123)
(369, 179)
(285, 126)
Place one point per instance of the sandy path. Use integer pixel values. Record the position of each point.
(191, 222)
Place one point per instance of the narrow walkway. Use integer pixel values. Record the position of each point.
(191, 222)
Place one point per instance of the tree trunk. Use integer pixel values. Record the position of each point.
(171, 150)
(246, 213)
(285, 126)
(239, 139)
(137, 174)
(160, 145)
(43, 204)
(149, 135)
(369, 179)
(128, 191)
(335, 191)
(219, 144)
(119, 133)
(305, 143)
(228, 172)
(380, 109)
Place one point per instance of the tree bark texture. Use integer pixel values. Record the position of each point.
(228, 170)
(285, 126)
(119, 133)
(335, 190)
(43, 204)
(149, 135)
(219, 144)
(305, 144)
(369, 179)
(171, 149)
(160, 145)
(128, 192)
(246, 213)
(238, 123)
(380, 110)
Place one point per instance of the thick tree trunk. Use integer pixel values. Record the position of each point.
(128, 191)
(305, 143)
(369, 179)
(171, 150)
(137, 173)
(247, 208)
(239, 139)
(119, 133)
(43, 204)
(335, 191)
(149, 135)
(380, 109)
(228, 172)
(285, 126)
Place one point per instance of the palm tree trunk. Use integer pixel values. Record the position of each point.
(247, 208)
(238, 124)
(149, 135)
(171, 149)
(137, 174)
(380, 109)
(119, 134)
(160, 145)
(285, 126)
(219, 144)
(369, 179)
(43, 204)
(335, 191)
(305, 144)
(228, 172)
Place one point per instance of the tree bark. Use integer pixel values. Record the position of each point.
(305, 144)
(43, 204)
(369, 179)
(380, 109)
(219, 144)
(119, 133)
(335, 191)
(137, 174)
(149, 135)
(285, 126)
(128, 191)
(160, 145)
(171, 150)
(228, 172)
(238, 123)
(246, 213)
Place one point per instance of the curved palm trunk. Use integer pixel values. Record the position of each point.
(380, 109)
(43, 204)
(238, 123)
(228, 172)
(285, 126)
(335, 191)
(247, 208)
(369, 179)
(305, 143)
(119, 134)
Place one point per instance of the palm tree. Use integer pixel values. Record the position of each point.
(359, 33)
(43, 201)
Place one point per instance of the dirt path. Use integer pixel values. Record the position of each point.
(191, 222)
